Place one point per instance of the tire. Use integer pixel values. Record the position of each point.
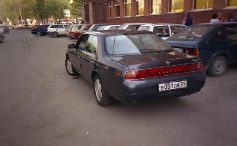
(55, 34)
(101, 95)
(69, 67)
(1, 39)
(218, 66)
(38, 34)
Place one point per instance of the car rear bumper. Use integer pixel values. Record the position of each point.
(141, 90)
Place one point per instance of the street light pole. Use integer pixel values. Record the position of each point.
(19, 7)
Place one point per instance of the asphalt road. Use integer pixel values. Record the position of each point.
(41, 105)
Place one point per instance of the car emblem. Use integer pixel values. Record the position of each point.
(167, 62)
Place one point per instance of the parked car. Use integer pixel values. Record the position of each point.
(128, 65)
(57, 30)
(163, 30)
(2, 36)
(216, 44)
(75, 34)
(110, 27)
(73, 28)
(40, 30)
(5, 28)
(96, 27)
(131, 26)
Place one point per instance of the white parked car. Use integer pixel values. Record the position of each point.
(133, 26)
(56, 30)
(163, 30)
(109, 27)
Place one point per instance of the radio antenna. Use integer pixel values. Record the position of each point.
(114, 44)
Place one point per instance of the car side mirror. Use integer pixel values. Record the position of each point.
(71, 46)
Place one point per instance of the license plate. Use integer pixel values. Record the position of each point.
(172, 85)
(178, 49)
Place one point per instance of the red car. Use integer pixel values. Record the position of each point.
(76, 33)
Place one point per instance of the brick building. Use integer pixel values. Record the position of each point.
(155, 11)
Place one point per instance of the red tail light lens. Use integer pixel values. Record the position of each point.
(136, 74)
(162, 71)
(195, 67)
(192, 51)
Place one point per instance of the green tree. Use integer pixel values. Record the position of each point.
(16, 9)
(56, 8)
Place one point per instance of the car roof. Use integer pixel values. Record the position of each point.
(162, 24)
(216, 24)
(119, 31)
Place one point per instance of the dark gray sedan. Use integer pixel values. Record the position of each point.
(133, 65)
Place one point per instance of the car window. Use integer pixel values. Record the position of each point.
(220, 35)
(54, 26)
(91, 44)
(162, 31)
(88, 43)
(113, 27)
(232, 33)
(60, 26)
(144, 28)
(134, 44)
(133, 27)
(194, 32)
(78, 26)
(177, 28)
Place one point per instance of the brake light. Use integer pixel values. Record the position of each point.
(195, 67)
(163, 71)
(192, 51)
(136, 74)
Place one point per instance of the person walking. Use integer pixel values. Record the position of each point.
(214, 19)
(188, 20)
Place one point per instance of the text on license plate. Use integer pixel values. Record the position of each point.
(173, 85)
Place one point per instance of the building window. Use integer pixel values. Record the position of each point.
(155, 6)
(127, 6)
(100, 11)
(176, 5)
(109, 5)
(117, 8)
(140, 7)
(231, 3)
(203, 4)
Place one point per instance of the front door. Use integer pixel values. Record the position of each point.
(232, 42)
(88, 56)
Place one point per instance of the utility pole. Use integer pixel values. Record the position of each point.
(19, 7)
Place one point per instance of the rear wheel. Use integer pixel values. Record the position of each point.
(55, 34)
(218, 66)
(69, 67)
(38, 34)
(102, 96)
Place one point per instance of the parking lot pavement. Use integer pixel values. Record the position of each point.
(41, 105)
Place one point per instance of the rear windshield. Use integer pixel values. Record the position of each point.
(192, 33)
(134, 44)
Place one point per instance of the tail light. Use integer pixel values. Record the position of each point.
(136, 74)
(192, 51)
(162, 71)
